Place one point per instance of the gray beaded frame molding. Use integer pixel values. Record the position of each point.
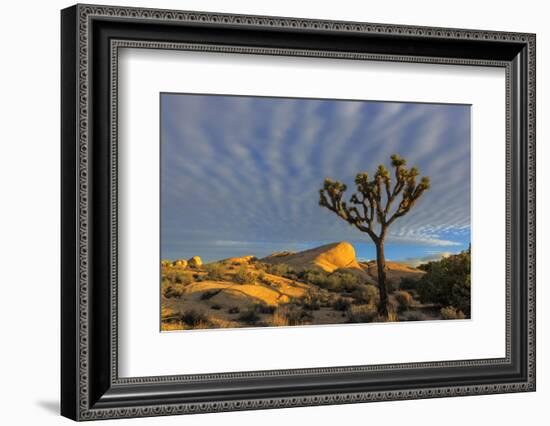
(91, 38)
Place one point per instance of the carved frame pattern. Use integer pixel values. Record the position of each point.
(85, 13)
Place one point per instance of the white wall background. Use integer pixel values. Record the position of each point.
(29, 212)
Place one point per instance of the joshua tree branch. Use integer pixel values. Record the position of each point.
(367, 203)
(369, 197)
(331, 198)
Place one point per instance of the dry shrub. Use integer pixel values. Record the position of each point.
(450, 313)
(341, 304)
(404, 299)
(310, 301)
(279, 319)
(263, 308)
(214, 271)
(202, 325)
(220, 323)
(170, 326)
(172, 292)
(195, 319)
(412, 316)
(279, 269)
(244, 276)
(249, 317)
(294, 314)
(209, 294)
(233, 310)
(183, 279)
(392, 317)
(366, 295)
(361, 314)
(168, 314)
(176, 277)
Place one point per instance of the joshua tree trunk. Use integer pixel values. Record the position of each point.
(381, 266)
(373, 202)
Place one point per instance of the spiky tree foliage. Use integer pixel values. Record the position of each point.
(377, 204)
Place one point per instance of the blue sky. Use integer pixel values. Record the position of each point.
(241, 175)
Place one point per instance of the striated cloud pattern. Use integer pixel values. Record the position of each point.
(241, 175)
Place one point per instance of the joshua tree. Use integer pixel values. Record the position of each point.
(370, 209)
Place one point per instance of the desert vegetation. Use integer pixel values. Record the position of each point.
(447, 283)
(311, 287)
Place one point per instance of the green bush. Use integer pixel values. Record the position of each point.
(408, 283)
(447, 282)
(335, 281)
(279, 269)
(346, 281)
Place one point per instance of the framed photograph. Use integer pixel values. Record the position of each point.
(263, 212)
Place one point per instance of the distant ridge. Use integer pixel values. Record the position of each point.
(329, 258)
(395, 271)
(340, 256)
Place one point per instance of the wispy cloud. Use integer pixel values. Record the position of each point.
(416, 261)
(249, 169)
(420, 239)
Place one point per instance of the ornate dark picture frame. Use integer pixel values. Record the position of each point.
(91, 37)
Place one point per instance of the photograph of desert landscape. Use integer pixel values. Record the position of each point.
(300, 212)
